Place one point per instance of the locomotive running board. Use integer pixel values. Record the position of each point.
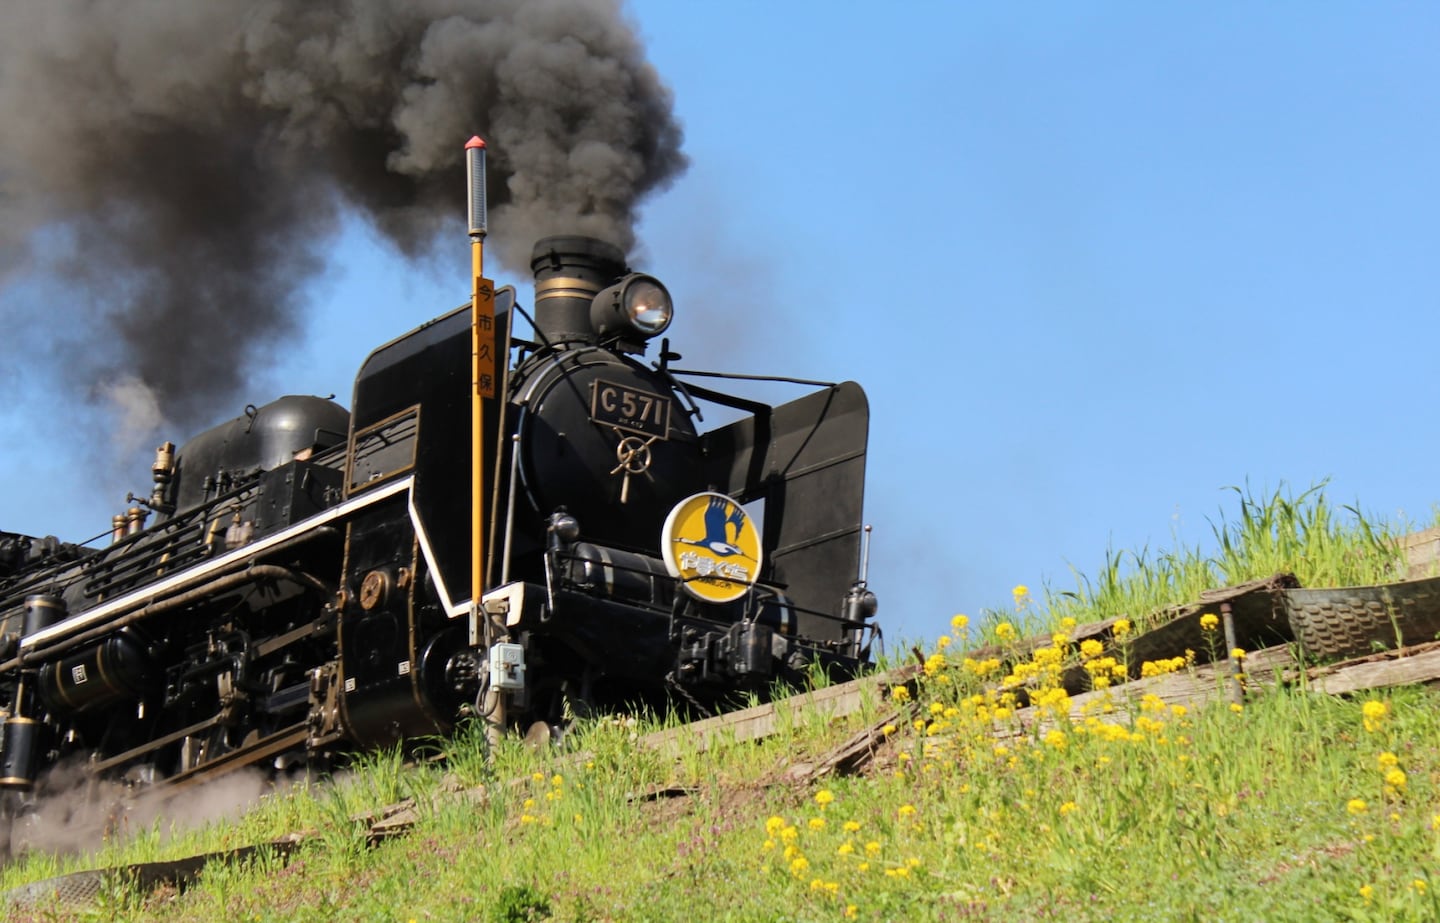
(154, 591)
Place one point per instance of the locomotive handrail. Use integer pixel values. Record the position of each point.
(107, 570)
(737, 376)
(568, 554)
(301, 532)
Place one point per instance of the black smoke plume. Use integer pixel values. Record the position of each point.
(183, 163)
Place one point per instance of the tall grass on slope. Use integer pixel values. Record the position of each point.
(1306, 535)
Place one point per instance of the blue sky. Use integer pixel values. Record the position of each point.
(1092, 262)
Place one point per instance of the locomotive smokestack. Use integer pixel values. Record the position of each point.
(569, 272)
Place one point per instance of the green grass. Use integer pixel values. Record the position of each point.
(1306, 535)
(1213, 814)
(1280, 810)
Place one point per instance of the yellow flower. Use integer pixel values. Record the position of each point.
(1367, 892)
(1069, 806)
(888, 729)
(900, 694)
(1356, 806)
(1236, 707)
(1121, 628)
(817, 823)
(846, 848)
(1056, 738)
(850, 911)
(527, 819)
(850, 826)
(982, 668)
(798, 865)
(1374, 713)
(557, 780)
(942, 642)
(1237, 653)
(1004, 631)
(1091, 648)
(1395, 778)
(774, 825)
(528, 803)
(1209, 621)
(872, 848)
(960, 622)
(1021, 594)
(1387, 760)
(537, 777)
(1419, 885)
(1067, 623)
(824, 797)
(907, 810)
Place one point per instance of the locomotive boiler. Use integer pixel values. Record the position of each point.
(300, 580)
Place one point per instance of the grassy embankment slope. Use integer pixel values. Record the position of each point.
(1296, 805)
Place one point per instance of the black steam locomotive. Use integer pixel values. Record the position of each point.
(299, 581)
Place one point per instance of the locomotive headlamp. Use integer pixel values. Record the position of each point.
(636, 304)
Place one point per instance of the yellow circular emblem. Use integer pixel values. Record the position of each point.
(712, 546)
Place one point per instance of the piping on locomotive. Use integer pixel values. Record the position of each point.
(299, 580)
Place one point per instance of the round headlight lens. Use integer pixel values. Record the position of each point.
(648, 305)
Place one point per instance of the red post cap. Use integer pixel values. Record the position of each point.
(474, 142)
